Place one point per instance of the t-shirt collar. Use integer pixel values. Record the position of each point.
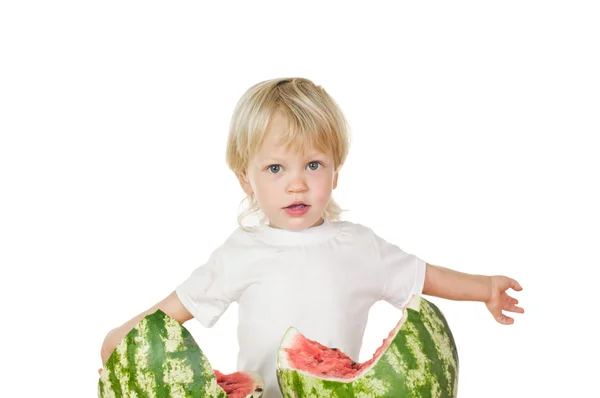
(279, 236)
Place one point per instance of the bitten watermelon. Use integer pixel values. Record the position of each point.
(159, 358)
(417, 359)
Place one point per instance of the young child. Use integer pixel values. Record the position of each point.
(302, 266)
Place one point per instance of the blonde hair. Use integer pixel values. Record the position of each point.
(314, 121)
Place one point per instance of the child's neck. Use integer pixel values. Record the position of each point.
(320, 222)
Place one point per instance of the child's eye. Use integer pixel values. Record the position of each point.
(274, 168)
(314, 165)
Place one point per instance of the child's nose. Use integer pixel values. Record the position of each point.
(297, 184)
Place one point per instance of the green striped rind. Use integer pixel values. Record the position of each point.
(421, 361)
(158, 359)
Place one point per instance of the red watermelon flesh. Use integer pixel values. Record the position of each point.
(315, 358)
(238, 384)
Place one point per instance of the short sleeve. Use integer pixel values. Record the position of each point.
(203, 293)
(404, 273)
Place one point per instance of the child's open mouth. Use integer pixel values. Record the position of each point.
(300, 206)
(298, 209)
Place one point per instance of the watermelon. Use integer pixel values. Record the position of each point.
(418, 359)
(159, 358)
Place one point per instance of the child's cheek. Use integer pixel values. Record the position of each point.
(267, 194)
(324, 194)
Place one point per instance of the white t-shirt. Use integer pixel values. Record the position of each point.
(322, 280)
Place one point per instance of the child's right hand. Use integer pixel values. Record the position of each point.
(170, 305)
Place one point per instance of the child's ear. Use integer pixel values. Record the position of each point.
(335, 177)
(244, 183)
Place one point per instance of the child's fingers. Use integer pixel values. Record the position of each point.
(513, 308)
(505, 320)
(511, 305)
(515, 285)
(100, 371)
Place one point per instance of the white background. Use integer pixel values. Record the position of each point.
(474, 128)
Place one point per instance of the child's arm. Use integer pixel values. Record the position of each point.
(491, 290)
(171, 305)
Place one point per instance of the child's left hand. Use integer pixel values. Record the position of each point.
(500, 300)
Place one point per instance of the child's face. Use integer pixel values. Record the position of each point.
(278, 178)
